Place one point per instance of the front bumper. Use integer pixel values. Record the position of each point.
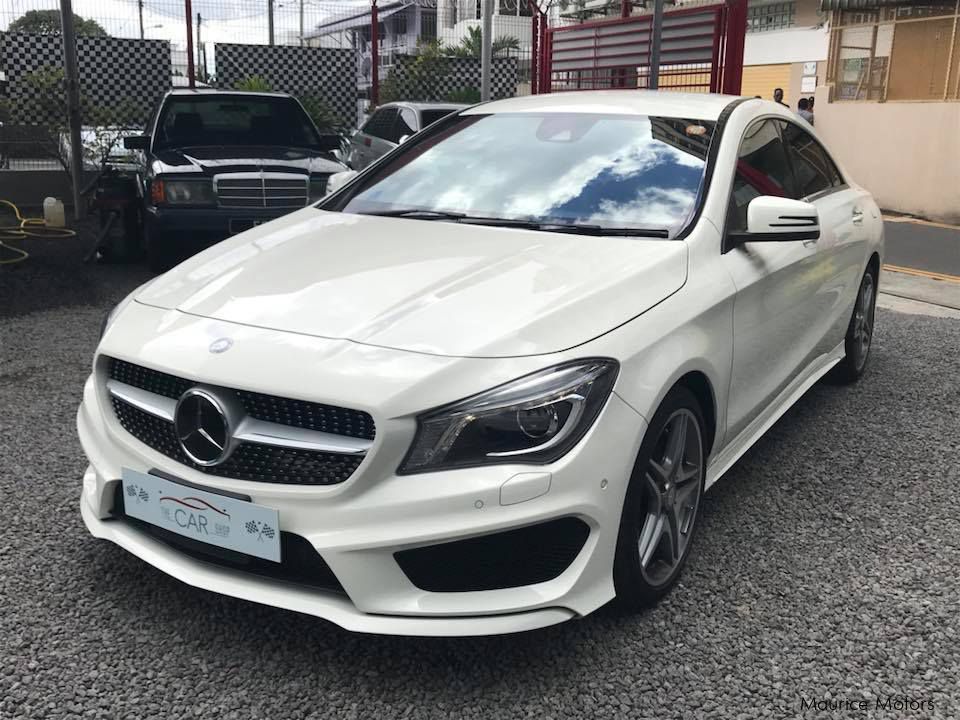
(200, 227)
(359, 525)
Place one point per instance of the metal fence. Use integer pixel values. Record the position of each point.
(323, 51)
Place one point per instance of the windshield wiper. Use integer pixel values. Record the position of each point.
(574, 228)
(420, 214)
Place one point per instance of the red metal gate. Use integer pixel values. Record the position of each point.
(701, 50)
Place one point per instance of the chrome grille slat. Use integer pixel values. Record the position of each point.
(262, 189)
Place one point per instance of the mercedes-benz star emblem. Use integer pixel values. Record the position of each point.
(221, 345)
(202, 427)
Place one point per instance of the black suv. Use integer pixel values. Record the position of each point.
(216, 163)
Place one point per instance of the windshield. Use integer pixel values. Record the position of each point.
(605, 171)
(234, 120)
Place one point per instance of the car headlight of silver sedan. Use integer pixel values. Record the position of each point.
(535, 419)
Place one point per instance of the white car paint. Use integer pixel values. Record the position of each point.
(398, 316)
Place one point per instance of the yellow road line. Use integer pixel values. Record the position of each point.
(923, 273)
(919, 221)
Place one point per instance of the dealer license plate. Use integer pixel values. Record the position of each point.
(205, 516)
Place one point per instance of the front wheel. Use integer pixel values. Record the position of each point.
(662, 501)
(859, 331)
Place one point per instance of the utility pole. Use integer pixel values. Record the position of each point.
(140, 10)
(374, 56)
(486, 46)
(199, 46)
(72, 82)
(270, 22)
(191, 77)
(656, 31)
(301, 23)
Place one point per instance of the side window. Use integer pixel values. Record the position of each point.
(813, 168)
(403, 125)
(762, 169)
(381, 124)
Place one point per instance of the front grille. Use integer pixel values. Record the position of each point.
(253, 190)
(299, 561)
(270, 408)
(525, 556)
(250, 461)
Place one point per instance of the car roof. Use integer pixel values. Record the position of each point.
(427, 105)
(181, 92)
(700, 106)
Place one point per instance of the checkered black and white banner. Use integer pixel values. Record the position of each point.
(113, 71)
(457, 74)
(327, 73)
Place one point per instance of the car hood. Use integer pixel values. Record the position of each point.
(211, 160)
(424, 286)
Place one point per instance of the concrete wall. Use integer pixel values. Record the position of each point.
(905, 153)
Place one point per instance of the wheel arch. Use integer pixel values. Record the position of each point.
(699, 384)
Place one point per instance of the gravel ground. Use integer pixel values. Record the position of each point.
(826, 568)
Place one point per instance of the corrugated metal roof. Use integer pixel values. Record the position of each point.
(873, 4)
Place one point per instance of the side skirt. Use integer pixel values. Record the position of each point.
(725, 459)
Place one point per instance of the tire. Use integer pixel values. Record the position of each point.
(161, 254)
(859, 336)
(652, 548)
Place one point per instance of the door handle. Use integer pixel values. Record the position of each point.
(857, 216)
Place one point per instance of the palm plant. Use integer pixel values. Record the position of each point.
(471, 45)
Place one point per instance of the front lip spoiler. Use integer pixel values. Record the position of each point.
(335, 608)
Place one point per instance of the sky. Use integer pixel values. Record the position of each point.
(241, 21)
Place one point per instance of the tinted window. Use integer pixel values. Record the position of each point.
(428, 117)
(762, 169)
(222, 119)
(813, 168)
(381, 123)
(608, 170)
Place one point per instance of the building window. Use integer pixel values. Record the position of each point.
(896, 57)
(770, 16)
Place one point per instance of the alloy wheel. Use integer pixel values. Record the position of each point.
(863, 320)
(672, 496)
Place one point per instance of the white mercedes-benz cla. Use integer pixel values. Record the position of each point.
(483, 386)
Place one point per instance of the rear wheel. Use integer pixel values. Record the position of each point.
(860, 331)
(663, 499)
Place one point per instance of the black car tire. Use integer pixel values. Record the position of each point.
(859, 337)
(160, 252)
(637, 585)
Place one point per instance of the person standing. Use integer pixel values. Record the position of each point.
(778, 97)
(803, 110)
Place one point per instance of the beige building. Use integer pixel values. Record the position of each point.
(786, 47)
(890, 104)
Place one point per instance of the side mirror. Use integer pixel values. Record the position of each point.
(778, 219)
(137, 142)
(338, 180)
(403, 139)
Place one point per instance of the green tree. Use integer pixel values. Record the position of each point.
(253, 83)
(471, 46)
(47, 22)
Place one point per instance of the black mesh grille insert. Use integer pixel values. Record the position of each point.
(286, 411)
(514, 558)
(250, 461)
(300, 562)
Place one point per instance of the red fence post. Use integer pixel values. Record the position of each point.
(190, 72)
(736, 30)
(534, 46)
(374, 56)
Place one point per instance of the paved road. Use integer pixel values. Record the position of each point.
(826, 567)
(924, 247)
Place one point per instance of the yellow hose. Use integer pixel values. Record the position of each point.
(26, 227)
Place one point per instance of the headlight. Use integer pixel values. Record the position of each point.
(187, 192)
(535, 419)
